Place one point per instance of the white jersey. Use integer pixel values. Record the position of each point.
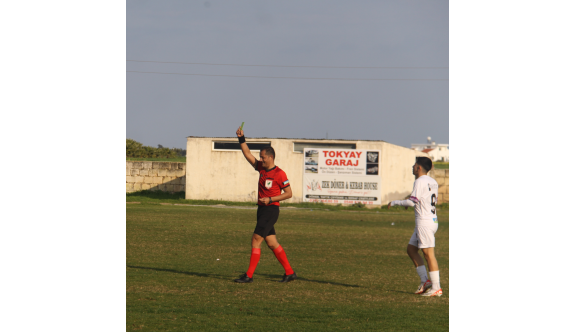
(424, 195)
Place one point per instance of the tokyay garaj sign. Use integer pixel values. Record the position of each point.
(341, 176)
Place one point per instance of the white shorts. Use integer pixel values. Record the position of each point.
(424, 236)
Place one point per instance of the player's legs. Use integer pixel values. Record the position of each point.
(435, 290)
(413, 253)
(426, 236)
(429, 254)
(426, 242)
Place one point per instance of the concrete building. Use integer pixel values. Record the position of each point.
(437, 152)
(217, 170)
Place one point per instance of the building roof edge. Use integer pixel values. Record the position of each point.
(309, 139)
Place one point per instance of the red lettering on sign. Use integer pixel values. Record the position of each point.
(328, 162)
(332, 154)
(359, 154)
(338, 154)
(335, 163)
(356, 162)
(324, 153)
(352, 155)
(342, 162)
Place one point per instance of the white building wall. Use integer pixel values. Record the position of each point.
(439, 150)
(226, 175)
(438, 153)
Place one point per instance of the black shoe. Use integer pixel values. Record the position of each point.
(244, 279)
(289, 278)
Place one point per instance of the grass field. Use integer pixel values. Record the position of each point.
(160, 197)
(352, 267)
(441, 165)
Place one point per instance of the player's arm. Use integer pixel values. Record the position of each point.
(412, 200)
(406, 202)
(287, 194)
(245, 149)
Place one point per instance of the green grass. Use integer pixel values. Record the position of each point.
(353, 272)
(172, 160)
(158, 197)
(441, 165)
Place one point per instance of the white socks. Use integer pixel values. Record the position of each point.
(434, 276)
(422, 273)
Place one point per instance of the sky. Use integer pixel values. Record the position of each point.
(166, 108)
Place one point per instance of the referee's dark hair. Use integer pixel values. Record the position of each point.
(270, 151)
(424, 162)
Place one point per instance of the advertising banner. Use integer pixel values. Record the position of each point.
(341, 176)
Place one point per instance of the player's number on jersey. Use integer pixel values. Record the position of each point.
(433, 202)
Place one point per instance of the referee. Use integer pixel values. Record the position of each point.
(271, 183)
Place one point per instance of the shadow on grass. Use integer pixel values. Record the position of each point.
(273, 277)
(277, 277)
(404, 292)
(197, 274)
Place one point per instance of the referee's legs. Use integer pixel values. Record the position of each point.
(278, 251)
(257, 241)
(272, 241)
(256, 254)
(273, 244)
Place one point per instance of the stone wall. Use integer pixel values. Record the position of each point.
(442, 178)
(152, 175)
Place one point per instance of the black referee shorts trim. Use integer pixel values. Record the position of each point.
(267, 217)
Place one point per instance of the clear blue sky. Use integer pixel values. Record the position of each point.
(165, 109)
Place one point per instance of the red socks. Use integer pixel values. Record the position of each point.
(280, 255)
(254, 260)
(282, 258)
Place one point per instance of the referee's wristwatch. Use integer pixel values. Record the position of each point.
(270, 200)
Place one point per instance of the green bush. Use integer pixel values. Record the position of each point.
(136, 149)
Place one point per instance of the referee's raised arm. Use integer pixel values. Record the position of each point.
(245, 149)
